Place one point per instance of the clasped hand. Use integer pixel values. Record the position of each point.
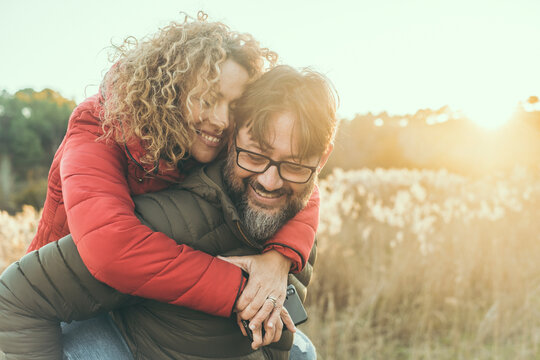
(262, 300)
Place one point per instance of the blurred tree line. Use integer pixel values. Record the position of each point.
(435, 139)
(32, 126)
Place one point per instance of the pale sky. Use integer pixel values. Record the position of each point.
(393, 55)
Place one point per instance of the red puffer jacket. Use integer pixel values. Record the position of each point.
(89, 195)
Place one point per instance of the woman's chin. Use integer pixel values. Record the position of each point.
(203, 153)
(205, 157)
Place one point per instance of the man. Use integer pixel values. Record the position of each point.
(285, 127)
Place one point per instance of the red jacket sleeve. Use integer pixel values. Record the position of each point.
(121, 252)
(295, 239)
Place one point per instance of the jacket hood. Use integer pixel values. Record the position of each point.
(211, 188)
(207, 182)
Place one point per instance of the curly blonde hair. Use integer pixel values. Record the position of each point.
(154, 84)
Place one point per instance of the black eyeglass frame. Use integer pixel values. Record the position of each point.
(271, 163)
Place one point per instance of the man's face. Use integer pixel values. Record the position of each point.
(265, 201)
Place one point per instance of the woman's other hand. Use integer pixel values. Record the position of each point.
(261, 302)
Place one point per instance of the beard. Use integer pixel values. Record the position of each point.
(261, 222)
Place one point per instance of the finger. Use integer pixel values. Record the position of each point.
(262, 314)
(258, 303)
(287, 321)
(269, 334)
(279, 331)
(261, 301)
(249, 301)
(257, 337)
(274, 317)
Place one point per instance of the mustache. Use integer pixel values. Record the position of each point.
(257, 186)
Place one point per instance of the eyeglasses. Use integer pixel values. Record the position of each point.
(258, 164)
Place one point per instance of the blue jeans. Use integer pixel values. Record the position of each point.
(302, 348)
(99, 339)
(94, 339)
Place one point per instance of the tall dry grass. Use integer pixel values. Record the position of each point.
(427, 265)
(413, 265)
(16, 232)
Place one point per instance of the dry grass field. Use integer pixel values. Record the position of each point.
(16, 232)
(427, 265)
(413, 265)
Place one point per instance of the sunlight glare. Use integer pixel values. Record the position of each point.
(490, 115)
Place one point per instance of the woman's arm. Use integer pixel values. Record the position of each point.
(117, 248)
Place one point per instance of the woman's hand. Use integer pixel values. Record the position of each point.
(261, 302)
(271, 334)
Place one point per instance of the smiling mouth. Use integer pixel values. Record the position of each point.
(267, 195)
(209, 138)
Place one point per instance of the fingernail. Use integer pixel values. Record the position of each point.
(270, 325)
(252, 327)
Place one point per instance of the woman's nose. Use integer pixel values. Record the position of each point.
(220, 117)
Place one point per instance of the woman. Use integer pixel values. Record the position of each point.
(162, 109)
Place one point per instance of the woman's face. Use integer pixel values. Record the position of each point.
(214, 122)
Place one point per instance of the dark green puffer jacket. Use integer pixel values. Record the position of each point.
(52, 285)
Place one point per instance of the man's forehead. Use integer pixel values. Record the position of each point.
(272, 140)
(250, 137)
(279, 137)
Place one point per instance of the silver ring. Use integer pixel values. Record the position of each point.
(272, 299)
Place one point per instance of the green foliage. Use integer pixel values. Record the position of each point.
(24, 145)
(33, 194)
(32, 125)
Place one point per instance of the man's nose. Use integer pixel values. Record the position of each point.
(270, 179)
(220, 117)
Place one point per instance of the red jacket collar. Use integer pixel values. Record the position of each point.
(135, 152)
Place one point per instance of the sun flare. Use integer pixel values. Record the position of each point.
(490, 116)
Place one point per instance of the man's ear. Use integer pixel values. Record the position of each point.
(325, 157)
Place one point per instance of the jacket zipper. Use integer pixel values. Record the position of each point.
(155, 171)
(135, 161)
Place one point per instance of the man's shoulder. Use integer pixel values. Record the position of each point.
(186, 199)
(205, 181)
(202, 193)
